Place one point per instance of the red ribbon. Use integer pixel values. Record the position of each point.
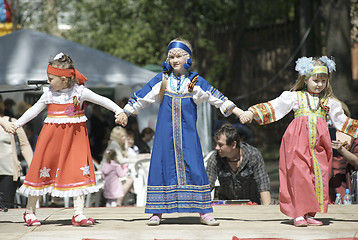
(67, 73)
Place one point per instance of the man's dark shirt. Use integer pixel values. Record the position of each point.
(250, 179)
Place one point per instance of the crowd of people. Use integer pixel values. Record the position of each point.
(63, 152)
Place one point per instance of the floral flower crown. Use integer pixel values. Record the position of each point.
(305, 65)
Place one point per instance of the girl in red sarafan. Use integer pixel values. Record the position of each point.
(62, 162)
(306, 148)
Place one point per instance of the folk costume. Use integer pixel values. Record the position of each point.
(177, 179)
(62, 162)
(306, 149)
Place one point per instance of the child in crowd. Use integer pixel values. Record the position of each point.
(111, 172)
(131, 140)
(62, 162)
(177, 179)
(306, 149)
(125, 156)
(118, 142)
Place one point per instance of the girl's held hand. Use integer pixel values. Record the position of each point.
(9, 127)
(247, 116)
(13, 128)
(122, 119)
(5, 125)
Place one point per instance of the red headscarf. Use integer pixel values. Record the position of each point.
(67, 73)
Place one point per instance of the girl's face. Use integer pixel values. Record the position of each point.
(316, 84)
(122, 138)
(56, 82)
(177, 60)
(130, 140)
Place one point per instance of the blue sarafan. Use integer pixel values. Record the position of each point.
(177, 179)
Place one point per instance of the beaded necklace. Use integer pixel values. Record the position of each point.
(309, 103)
(180, 82)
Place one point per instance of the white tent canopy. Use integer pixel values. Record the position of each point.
(24, 55)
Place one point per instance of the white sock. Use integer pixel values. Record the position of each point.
(78, 205)
(300, 218)
(114, 203)
(111, 203)
(31, 207)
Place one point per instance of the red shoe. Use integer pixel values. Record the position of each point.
(30, 222)
(313, 222)
(83, 222)
(300, 223)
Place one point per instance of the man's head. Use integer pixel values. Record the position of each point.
(227, 141)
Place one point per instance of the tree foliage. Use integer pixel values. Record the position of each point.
(139, 30)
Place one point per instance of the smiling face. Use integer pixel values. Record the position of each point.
(56, 82)
(316, 83)
(177, 59)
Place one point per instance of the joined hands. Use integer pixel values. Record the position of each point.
(246, 116)
(9, 127)
(122, 119)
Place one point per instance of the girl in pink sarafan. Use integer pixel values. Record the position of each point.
(306, 148)
(111, 172)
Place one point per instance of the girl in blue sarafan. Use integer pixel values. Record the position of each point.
(177, 180)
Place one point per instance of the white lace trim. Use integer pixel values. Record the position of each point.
(65, 120)
(56, 193)
(63, 96)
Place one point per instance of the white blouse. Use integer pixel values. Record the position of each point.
(65, 96)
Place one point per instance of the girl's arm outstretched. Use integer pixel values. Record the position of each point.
(88, 95)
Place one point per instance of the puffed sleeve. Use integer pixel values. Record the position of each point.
(145, 96)
(203, 91)
(340, 121)
(274, 110)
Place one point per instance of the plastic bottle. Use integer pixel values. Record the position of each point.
(338, 199)
(347, 200)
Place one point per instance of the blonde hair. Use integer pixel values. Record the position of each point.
(116, 136)
(110, 155)
(327, 92)
(64, 62)
(163, 86)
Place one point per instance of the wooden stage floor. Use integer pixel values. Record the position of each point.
(242, 221)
